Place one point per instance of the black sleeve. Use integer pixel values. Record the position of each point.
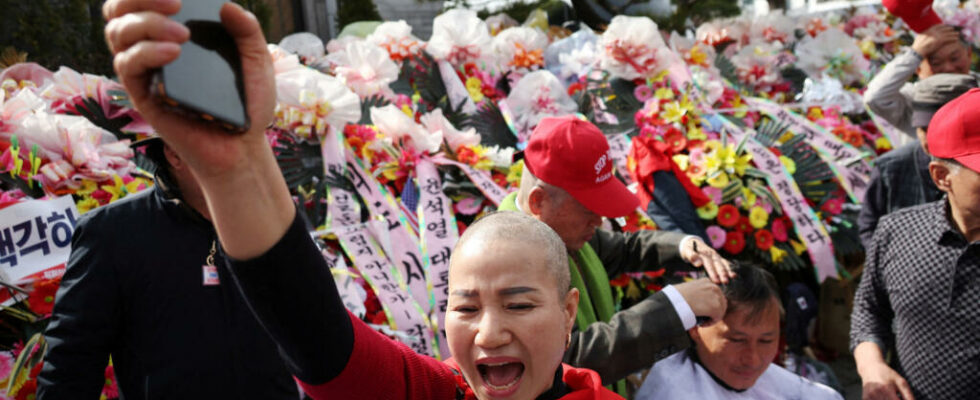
(291, 291)
(638, 251)
(84, 321)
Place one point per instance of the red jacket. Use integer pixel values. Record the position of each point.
(380, 368)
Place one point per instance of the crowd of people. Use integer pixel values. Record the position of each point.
(530, 312)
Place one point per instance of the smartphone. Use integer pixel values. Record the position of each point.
(205, 81)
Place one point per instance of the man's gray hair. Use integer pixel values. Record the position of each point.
(518, 227)
(953, 165)
(529, 182)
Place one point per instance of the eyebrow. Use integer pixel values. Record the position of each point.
(511, 291)
(738, 332)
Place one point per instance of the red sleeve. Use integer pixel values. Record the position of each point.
(381, 368)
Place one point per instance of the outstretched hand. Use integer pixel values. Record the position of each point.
(142, 38)
(699, 254)
(246, 194)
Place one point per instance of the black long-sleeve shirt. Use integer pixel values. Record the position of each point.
(134, 290)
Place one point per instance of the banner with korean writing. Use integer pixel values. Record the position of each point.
(35, 236)
(480, 178)
(437, 224)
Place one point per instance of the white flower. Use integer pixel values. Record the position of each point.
(282, 60)
(500, 157)
(579, 62)
(367, 69)
(458, 36)
(833, 53)
(774, 27)
(756, 65)
(519, 48)
(435, 122)
(723, 30)
(396, 37)
(395, 124)
(633, 48)
(309, 102)
(537, 95)
(306, 45)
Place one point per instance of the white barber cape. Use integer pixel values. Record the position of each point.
(679, 377)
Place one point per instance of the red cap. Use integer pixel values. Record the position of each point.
(573, 154)
(917, 14)
(955, 130)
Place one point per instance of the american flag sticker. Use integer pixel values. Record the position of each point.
(210, 275)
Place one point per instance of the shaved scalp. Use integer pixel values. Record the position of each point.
(516, 227)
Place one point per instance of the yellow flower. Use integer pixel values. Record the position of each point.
(737, 104)
(798, 247)
(815, 113)
(514, 173)
(749, 196)
(475, 87)
(88, 186)
(682, 161)
(87, 204)
(777, 254)
(673, 112)
(883, 143)
(119, 189)
(708, 211)
(694, 132)
(664, 93)
(711, 145)
(408, 111)
(789, 164)
(758, 217)
(698, 56)
(718, 180)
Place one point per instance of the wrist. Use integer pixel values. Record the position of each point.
(917, 53)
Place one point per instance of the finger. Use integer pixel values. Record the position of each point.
(905, 390)
(134, 65)
(123, 32)
(256, 61)
(117, 8)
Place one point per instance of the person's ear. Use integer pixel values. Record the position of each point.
(940, 175)
(571, 307)
(173, 158)
(695, 334)
(536, 201)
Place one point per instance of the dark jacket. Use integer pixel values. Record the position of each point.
(631, 339)
(900, 179)
(134, 290)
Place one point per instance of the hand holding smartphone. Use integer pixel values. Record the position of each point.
(205, 82)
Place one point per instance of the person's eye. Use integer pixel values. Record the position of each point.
(738, 340)
(767, 341)
(520, 306)
(465, 309)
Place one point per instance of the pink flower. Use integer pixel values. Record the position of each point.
(716, 235)
(779, 230)
(643, 92)
(833, 206)
(714, 193)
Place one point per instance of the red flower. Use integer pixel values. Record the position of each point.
(621, 281)
(744, 225)
(655, 274)
(763, 239)
(499, 179)
(466, 155)
(779, 229)
(28, 391)
(833, 206)
(41, 299)
(734, 242)
(575, 88)
(675, 139)
(728, 215)
(110, 389)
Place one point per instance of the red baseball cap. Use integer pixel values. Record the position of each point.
(955, 130)
(917, 14)
(573, 155)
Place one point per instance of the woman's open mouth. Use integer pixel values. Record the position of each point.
(501, 377)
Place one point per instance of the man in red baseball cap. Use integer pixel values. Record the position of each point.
(921, 284)
(568, 183)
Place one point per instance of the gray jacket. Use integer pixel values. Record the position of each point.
(889, 93)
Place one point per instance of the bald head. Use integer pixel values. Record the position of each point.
(518, 228)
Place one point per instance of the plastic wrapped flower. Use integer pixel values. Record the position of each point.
(867, 24)
(756, 66)
(721, 31)
(394, 123)
(693, 52)
(309, 102)
(435, 122)
(499, 22)
(458, 36)
(573, 57)
(774, 27)
(367, 69)
(519, 49)
(966, 16)
(632, 48)
(282, 60)
(832, 53)
(396, 37)
(537, 95)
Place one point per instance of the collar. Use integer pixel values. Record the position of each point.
(168, 192)
(942, 227)
(691, 352)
